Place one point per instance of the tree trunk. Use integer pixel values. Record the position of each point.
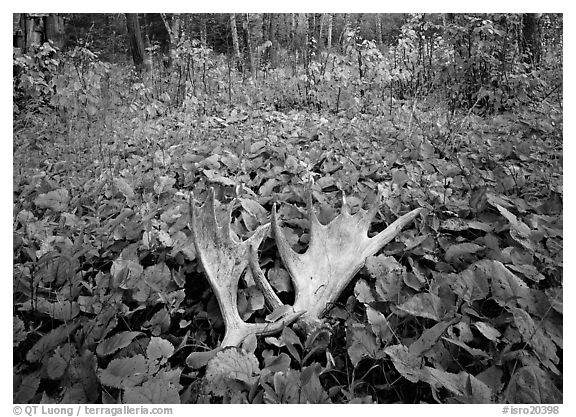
(273, 41)
(135, 39)
(234, 30)
(380, 39)
(55, 29)
(249, 42)
(173, 26)
(329, 35)
(292, 30)
(203, 30)
(345, 28)
(531, 42)
(33, 29)
(321, 31)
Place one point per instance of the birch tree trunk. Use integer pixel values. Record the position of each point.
(235, 43)
(174, 28)
(379, 29)
(203, 30)
(329, 35)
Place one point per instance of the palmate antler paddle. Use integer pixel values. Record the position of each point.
(336, 253)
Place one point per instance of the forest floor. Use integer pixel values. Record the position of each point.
(475, 314)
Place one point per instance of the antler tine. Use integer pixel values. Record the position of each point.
(224, 260)
(377, 242)
(345, 206)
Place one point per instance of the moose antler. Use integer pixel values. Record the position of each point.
(224, 258)
(335, 254)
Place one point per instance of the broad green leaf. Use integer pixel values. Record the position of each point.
(406, 363)
(532, 385)
(159, 350)
(125, 372)
(312, 392)
(280, 279)
(488, 331)
(63, 310)
(472, 351)
(116, 342)
(519, 230)
(459, 250)
(216, 178)
(255, 298)
(471, 285)
(56, 366)
(229, 366)
(528, 271)
(289, 336)
(428, 338)
(255, 209)
(126, 272)
(379, 324)
(18, 331)
(27, 389)
(399, 177)
(124, 188)
(197, 360)
(361, 343)
(506, 287)
(280, 363)
(458, 225)
(163, 184)
(533, 334)
(362, 292)
(555, 296)
(50, 340)
(56, 200)
(250, 343)
(286, 388)
(389, 276)
(462, 384)
(159, 323)
(425, 305)
(154, 391)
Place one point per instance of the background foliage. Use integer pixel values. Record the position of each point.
(453, 113)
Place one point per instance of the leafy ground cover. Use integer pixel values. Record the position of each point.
(465, 306)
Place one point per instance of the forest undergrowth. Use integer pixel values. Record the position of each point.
(464, 306)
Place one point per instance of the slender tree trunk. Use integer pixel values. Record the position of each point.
(380, 39)
(318, 27)
(321, 42)
(135, 39)
(234, 31)
(237, 56)
(273, 40)
(341, 40)
(203, 30)
(173, 26)
(249, 42)
(292, 30)
(329, 35)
